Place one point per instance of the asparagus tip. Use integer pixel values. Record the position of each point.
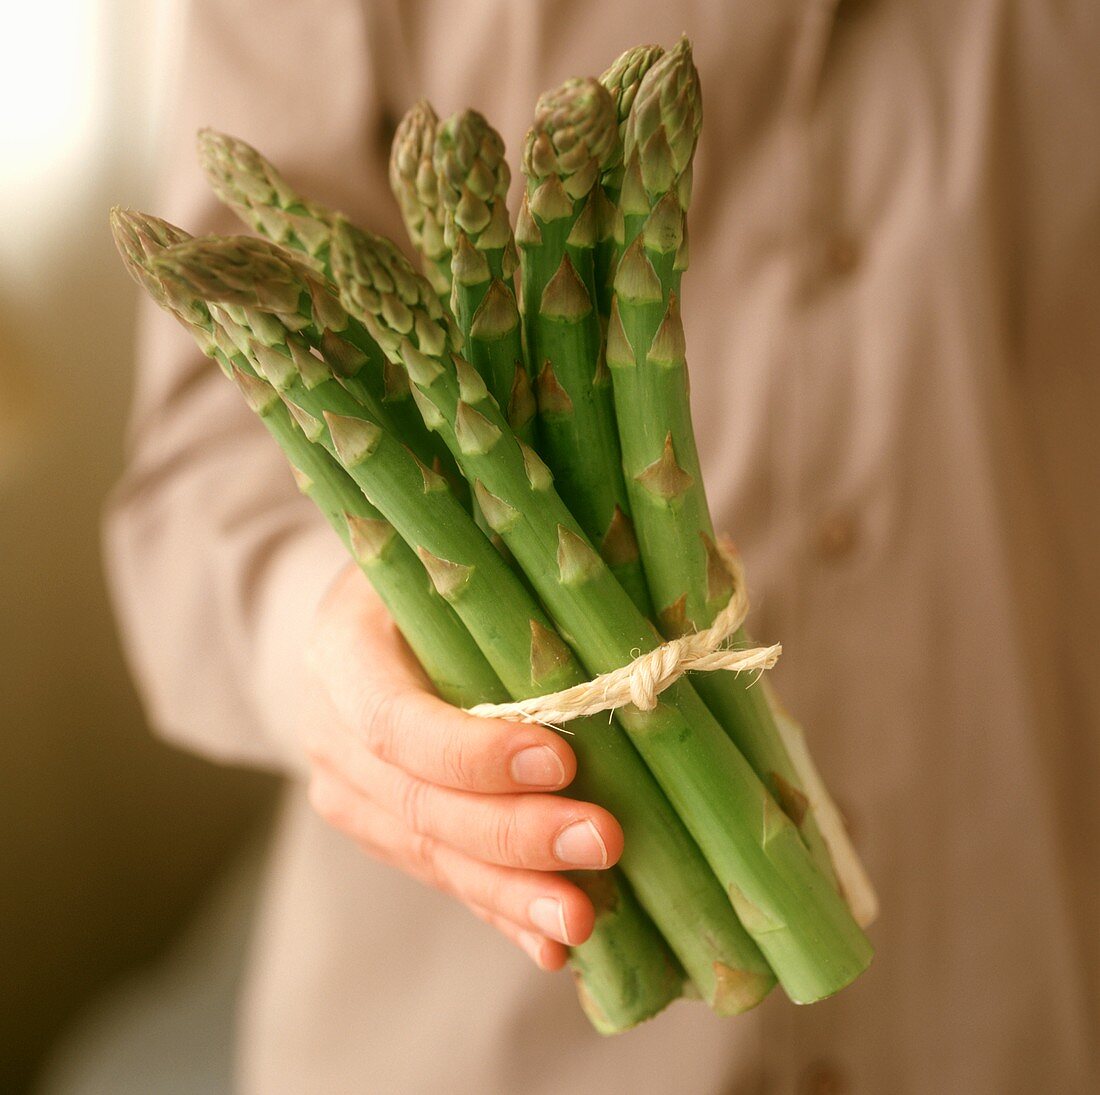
(250, 185)
(469, 163)
(624, 76)
(666, 117)
(413, 178)
(575, 135)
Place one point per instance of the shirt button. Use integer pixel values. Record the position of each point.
(842, 255)
(822, 1078)
(835, 536)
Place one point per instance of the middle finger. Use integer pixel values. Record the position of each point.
(539, 832)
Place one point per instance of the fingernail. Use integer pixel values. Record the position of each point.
(538, 766)
(548, 915)
(580, 845)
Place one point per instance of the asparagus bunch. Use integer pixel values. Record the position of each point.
(399, 395)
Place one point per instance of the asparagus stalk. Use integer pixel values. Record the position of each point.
(416, 188)
(669, 876)
(624, 972)
(473, 179)
(622, 81)
(646, 355)
(574, 138)
(792, 911)
(251, 186)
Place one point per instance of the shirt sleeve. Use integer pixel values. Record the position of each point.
(216, 563)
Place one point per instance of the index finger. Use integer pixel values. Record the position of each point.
(414, 730)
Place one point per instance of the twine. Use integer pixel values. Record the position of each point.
(641, 681)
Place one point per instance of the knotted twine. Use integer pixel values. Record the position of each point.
(642, 680)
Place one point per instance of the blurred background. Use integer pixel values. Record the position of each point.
(110, 842)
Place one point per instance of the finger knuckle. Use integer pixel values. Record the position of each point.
(378, 721)
(413, 804)
(460, 764)
(504, 836)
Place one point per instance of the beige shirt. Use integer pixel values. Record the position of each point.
(893, 321)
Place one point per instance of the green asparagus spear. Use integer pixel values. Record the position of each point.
(646, 354)
(792, 911)
(666, 870)
(574, 138)
(473, 179)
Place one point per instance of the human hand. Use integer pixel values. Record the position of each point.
(455, 801)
